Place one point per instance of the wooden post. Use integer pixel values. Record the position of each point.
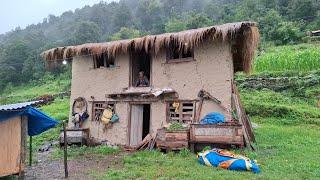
(24, 132)
(30, 151)
(197, 119)
(65, 150)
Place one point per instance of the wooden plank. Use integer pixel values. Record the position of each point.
(172, 145)
(219, 139)
(10, 131)
(176, 137)
(215, 131)
(240, 118)
(246, 121)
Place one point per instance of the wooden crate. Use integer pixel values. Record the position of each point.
(78, 136)
(172, 140)
(230, 134)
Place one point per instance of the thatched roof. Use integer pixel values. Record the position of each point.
(244, 37)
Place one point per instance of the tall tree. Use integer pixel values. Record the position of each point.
(150, 16)
(86, 32)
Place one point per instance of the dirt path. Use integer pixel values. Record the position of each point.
(80, 168)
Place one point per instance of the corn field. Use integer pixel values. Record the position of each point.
(301, 58)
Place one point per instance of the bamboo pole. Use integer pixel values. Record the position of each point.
(65, 150)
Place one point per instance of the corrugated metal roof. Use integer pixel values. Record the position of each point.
(17, 106)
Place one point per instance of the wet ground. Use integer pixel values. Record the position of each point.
(85, 167)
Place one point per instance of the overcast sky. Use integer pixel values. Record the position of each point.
(14, 13)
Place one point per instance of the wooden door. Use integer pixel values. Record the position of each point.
(10, 146)
(136, 124)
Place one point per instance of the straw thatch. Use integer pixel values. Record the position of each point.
(244, 37)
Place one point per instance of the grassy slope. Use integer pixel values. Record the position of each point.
(26, 92)
(299, 58)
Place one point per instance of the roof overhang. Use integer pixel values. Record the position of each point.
(243, 35)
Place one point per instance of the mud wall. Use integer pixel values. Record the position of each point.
(211, 70)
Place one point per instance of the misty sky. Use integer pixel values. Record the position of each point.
(14, 13)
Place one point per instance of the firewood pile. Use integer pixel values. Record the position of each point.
(148, 143)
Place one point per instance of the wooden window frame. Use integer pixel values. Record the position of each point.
(131, 83)
(94, 108)
(181, 59)
(105, 62)
(181, 107)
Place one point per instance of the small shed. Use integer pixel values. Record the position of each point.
(16, 122)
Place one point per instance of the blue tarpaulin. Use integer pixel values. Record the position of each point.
(213, 118)
(38, 122)
(227, 160)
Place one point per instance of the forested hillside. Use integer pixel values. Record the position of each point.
(280, 22)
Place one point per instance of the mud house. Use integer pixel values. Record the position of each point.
(177, 66)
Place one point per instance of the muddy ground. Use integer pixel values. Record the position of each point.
(85, 167)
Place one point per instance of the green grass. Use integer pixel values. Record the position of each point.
(76, 152)
(282, 152)
(281, 107)
(303, 57)
(59, 109)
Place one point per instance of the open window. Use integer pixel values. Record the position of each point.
(103, 60)
(175, 53)
(140, 64)
(181, 111)
(98, 107)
